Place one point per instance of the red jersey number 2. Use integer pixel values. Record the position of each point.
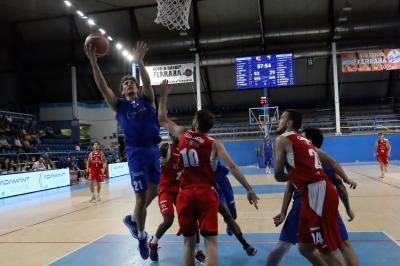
(317, 162)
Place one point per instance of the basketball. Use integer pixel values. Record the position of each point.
(98, 41)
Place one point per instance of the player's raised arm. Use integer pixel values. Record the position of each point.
(222, 154)
(167, 123)
(147, 90)
(280, 158)
(336, 167)
(101, 83)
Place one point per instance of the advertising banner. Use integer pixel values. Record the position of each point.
(22, 183)
(370, 60)
(118, 169)
(180, 73)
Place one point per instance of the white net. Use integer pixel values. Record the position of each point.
(173, 14)
(266, 118)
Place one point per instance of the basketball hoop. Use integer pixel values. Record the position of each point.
(173, 14)
(265, 117)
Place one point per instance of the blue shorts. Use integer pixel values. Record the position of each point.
(268, 159)
(289, 230)
(144, 166)
(225, 196)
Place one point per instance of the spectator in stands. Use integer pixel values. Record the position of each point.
(83, 166)
(39, 165)
(13, 166)
(4, 145)
(18, 144)
(5, 125)
(28, 136)
(50, 164)
(8, 166)
(80, 167)
(115, 152)
(3, 165)
(42, 134)
(71, 164)
(49, 132)
(35, 138)
(27, 145)
(2, 125)
(25, 166)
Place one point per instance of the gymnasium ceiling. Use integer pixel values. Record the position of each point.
(42, 38)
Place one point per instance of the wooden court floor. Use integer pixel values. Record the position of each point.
(38, 228)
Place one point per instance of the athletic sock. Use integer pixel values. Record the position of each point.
(141, 234)
(155, 240)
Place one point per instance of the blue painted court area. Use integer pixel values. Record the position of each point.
(252, 170)
(372, 248)
(261, 189)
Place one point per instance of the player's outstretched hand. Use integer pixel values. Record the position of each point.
(352, 183)
(280, 218)
(350, 213)
(165, 88)
(140, 50)
(253, 198)
(90, 52)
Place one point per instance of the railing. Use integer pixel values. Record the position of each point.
(16, 114)
(46, 155)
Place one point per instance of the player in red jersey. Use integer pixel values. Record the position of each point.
(197, 200)
(96, 165)
(382, 153)
(170, 159)
(318, 221)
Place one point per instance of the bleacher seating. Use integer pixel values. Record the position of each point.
(354, 120)
(60, 144)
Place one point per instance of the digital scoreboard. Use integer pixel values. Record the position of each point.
(264, 71)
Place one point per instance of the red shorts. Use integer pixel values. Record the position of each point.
(166, 202)
(96, 174)
(382, 158)
(198, 204)
(318, 221)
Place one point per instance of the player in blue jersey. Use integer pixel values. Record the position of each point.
(268, 154)
(227, 207)
(288, 236)
(136, 113)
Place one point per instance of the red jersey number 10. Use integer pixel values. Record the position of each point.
(190, 158)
